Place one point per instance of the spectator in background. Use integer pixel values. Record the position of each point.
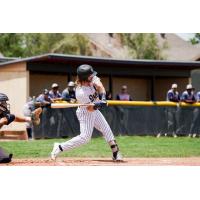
(173, 96)
(124, 96)
(197, 116)
(33, 103)
(198, 97)
(54, 93)
(108, 95)
(68, 93)
(188, 96)
(28, 108)
(44, 98)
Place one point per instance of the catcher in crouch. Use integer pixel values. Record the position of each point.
(6, 117)
(89, 90)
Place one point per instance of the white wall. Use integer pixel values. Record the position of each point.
(15, 84)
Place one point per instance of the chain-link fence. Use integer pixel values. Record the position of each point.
(124, 120)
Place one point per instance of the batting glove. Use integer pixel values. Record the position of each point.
(102, 96)
(100, 104)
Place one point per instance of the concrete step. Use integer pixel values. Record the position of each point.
(13, 135)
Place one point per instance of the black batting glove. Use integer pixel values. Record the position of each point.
(100, 104)
(102, 96)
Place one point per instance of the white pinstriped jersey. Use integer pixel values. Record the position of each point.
(87, 94)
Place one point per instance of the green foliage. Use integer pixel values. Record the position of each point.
(40, 43)
(31, 44)
(195, 39)
(142, 45)
(74, 44)
(11, 44)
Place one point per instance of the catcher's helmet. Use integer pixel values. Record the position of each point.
(3, 103)
(3, 97)
(84, 71)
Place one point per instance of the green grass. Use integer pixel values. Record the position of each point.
(131, 146)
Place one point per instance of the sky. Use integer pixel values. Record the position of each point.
(186, 36)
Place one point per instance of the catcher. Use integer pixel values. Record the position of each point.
(6, 118)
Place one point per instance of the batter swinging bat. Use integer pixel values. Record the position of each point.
(68, 105)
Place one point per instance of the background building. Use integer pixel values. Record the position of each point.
(146, 79)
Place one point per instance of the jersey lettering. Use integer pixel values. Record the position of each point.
(93, 97)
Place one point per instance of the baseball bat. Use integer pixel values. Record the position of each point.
(68, 105)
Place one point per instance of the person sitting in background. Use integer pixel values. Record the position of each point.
(108, 95)
(188, 96)
(124, 96)
(68, 93)
(54, 93)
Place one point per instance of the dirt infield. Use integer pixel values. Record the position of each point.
(191, 161)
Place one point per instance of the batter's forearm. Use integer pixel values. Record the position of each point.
(100, 88)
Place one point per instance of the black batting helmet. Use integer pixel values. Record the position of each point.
(84, 71)
(3, 103)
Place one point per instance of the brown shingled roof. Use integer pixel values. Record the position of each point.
(179, 49)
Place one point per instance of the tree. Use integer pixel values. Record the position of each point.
(195, 39)
(40, 43)
(142, 45)
(31, 44)
(11, 44)
(73, 44)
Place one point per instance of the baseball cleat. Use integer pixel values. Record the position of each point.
(194, 135)
(158, 135)
(35, 116)
(117, 156)
(55, 151)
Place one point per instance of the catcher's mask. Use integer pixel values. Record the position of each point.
(85, 71)
(4, 106)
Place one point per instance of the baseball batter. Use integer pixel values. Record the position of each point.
(89, 90)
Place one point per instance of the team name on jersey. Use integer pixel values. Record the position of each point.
(93, 97)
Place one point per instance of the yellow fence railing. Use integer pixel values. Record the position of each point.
(149, 103)
(142, 103)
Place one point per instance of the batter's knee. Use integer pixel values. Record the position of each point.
(85, 140)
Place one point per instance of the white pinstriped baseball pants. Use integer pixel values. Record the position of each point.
(89, 120)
